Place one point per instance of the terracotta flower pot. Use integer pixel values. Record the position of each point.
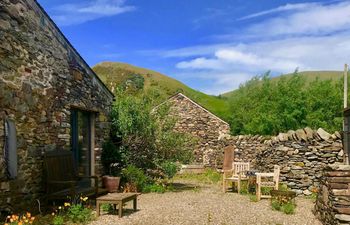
(111, 183)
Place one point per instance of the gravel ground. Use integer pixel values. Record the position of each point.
(207, 205)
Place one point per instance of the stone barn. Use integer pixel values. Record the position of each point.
(206, 127)
(50, 99)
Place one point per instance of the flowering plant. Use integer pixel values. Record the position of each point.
(75, 210)
(24, 219)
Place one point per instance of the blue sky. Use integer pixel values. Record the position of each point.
(212, 46)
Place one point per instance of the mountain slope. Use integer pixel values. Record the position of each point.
(115, 73)
(309, 76)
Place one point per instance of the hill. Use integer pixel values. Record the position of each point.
(309, 75)
(115, 73)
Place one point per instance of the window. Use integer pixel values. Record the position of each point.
(81, 140)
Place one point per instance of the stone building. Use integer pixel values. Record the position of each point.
(50, 95)
(207, 128)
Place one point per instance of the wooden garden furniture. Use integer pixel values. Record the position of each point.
(270, 180)
(61, 178)
(236, 174)
(116, 199)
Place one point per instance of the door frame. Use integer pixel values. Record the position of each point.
(91, 138)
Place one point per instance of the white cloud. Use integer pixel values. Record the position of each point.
(72, 14)
(307, 38)
(284, 8)
(315, 20)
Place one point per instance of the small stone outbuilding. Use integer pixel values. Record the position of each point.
(206, 127)
(52, 98)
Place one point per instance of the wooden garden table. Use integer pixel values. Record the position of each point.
(116, 199)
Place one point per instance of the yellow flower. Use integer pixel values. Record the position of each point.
(66, 204)
(26, 221)
(85, 199)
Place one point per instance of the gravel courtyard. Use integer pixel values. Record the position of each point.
(192, 204)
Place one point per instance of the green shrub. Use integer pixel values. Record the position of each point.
(109, 156)
(288, 208)
(58, 220)
(286, 103)
(136, 176)
(276, 205)
(79, 214)
(145, 137)
(169, 168)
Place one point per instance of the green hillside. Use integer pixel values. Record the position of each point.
(115, 73)
(309, 75)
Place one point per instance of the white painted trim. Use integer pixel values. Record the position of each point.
(193, 102)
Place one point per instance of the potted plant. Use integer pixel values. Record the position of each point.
(110, 159)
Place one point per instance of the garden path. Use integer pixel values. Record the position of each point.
(206, 204)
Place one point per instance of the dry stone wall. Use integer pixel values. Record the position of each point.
(333, 200)
(41, 78)
(302, 155)
(203, 125)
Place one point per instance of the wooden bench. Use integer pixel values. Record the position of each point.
(61, 178)
(116, 199)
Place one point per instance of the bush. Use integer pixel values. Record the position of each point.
(286, 207)
(135, 176)
(169, 168)
(288, 103)
(109, 156)
(144, 136)
(79, 214)
(58, 220)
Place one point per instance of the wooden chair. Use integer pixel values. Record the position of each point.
(61, 178)
(238, 174)
(267, 182)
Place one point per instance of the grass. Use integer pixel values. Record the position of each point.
(114, 73)
(210, 176)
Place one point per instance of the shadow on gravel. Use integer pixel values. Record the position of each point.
(179, 187)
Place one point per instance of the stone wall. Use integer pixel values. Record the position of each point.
(333, 200)
(42, 78)
(302, 155)
(203, 125)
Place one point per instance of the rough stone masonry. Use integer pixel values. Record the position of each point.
(302, 155)
(42, 77)
(201, 124)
